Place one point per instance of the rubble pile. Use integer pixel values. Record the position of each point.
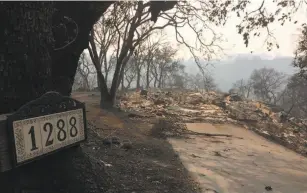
(267, 120)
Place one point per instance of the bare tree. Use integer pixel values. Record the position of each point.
(130, 73)
(136, 28)
(202, 81)
(267, 84)
(77, 82)
(177, 75)
(150, 48)
(163, 64)
(190, 83)
(138, 64)
(196, 82)
(244, 87)
(142, 61)
(102, 38)
(84, 74)
(208, 82)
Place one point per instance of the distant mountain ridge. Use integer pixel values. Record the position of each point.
(236, 67)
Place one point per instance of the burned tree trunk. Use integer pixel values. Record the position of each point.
(72, 37)
(40, 47)
(25, 62)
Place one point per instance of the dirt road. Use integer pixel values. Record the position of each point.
(243, 163)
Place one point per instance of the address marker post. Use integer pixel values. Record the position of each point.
(41, 127)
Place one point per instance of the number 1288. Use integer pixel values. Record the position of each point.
(61, 132)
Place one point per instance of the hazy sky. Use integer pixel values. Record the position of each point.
(286, 35)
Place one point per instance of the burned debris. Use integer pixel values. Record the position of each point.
(188, 106)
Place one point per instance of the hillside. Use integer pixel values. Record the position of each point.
(236, 67)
